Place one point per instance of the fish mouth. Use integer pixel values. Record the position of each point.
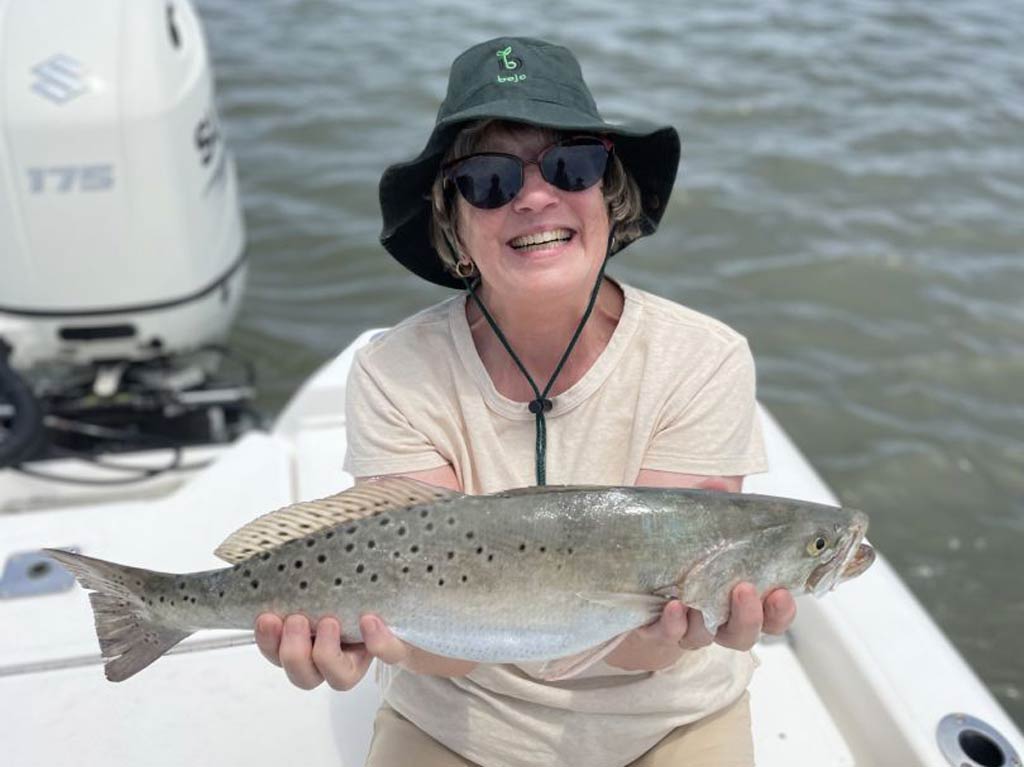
(861, 560)
(848, 562)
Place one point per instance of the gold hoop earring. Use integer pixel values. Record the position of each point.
(465, 269)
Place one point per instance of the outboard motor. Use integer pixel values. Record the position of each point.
(122, 246)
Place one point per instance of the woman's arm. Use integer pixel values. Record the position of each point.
(660, 644)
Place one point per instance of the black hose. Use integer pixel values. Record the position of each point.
(26, 432)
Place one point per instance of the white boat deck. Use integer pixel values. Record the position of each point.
(861, 680)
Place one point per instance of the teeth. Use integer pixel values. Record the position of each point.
(552, 235)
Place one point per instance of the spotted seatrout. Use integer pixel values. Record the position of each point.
(553, 574)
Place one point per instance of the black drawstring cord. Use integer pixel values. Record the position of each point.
(541, 404)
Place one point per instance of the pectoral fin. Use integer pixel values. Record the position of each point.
(707, 585)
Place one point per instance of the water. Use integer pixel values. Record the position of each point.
(850, 200)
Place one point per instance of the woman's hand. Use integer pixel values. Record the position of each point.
(309, 661)
(679, 628)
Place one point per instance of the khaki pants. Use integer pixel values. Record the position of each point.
(720, 740)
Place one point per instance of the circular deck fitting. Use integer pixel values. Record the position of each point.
(967, 741)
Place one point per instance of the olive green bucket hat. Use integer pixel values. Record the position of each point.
(525, 80)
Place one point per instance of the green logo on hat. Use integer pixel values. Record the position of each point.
(508, 63)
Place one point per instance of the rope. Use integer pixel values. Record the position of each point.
(541, 404)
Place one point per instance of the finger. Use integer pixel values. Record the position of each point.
(669, 627)
(297, 653)
(380, 642)
(341, 667)
(779, 611)
(697, 634)
(743, 628)
(269, 628)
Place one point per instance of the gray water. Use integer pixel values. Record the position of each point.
(850, 200)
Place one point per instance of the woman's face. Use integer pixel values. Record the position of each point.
(545, 241)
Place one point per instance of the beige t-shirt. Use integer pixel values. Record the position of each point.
(673, 391)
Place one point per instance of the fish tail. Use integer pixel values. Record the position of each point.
(130, 639)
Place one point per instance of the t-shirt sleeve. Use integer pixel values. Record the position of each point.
(381, 439)
(715, 431)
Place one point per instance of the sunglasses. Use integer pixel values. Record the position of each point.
(489, 180)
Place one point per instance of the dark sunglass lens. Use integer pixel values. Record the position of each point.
(575, 167)
(487, 181)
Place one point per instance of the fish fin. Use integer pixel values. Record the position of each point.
(366, 499)
(129, 639)
(649, 603)
(707, 585)
(571, 665)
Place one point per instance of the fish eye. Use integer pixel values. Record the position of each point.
(817, 545)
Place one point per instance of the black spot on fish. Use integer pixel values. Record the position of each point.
(440, 582)
(451, 555)
(385, 522)
(430, 568)
(373, 578)
(424, 513)
(220, 594)
(322, 558)
(351, 531)
(397, 554)
(161, 600)
(337, 581)
(451, 520)
(464, 578)
(265, 556)
(247, 572)
(479, 549)
(255, 584)
(138, 583)
(298, 564)
(401, 531)
(280, 567)
(329, 534)
(311, 543)
(490, 557)
(181, 586)
(371, 545)
(303, 584)
(569, 550)
(360, 567)
(522, 547)
(429, 527)
(543, 549)
(469, 535)
(405, 569)
(414, 548)
(349, 546)
(192, 600)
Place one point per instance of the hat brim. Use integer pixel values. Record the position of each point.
(649, 153)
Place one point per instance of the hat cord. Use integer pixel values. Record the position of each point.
(541, 404)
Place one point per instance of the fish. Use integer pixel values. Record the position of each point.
(552, 574)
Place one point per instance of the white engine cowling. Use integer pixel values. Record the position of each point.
(121, 235)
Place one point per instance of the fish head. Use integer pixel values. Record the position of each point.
(835, 550)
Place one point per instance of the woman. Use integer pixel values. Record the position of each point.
(545, 371)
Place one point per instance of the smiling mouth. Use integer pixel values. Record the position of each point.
(540, 240)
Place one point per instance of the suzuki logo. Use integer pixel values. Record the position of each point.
(60, 79)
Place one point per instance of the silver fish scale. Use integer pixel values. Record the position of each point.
(524, 575)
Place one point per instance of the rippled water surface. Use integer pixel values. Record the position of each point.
(850, 200)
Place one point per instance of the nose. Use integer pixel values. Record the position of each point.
(536, 193)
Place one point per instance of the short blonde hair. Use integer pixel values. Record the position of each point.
(621, 193)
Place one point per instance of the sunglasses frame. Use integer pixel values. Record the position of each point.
(449, 168)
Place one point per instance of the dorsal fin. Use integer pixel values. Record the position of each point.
(299, 519)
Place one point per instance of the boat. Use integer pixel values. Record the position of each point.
(863, 677)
